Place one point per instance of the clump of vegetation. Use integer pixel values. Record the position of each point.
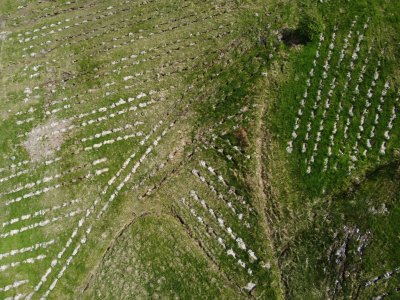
(87, 68)
(308, 29)
(87, 65)
(310, 26)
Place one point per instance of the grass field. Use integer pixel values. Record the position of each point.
(199, 149)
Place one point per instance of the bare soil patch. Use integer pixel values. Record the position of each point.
(44, 140)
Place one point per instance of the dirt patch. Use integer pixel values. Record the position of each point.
(241, 135)
(44, 140)
(3, 35)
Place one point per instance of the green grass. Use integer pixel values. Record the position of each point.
(232, 89)
(173, 264)
(291, 93)
(311, 210)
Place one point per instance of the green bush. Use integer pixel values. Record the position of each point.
(310, 26)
